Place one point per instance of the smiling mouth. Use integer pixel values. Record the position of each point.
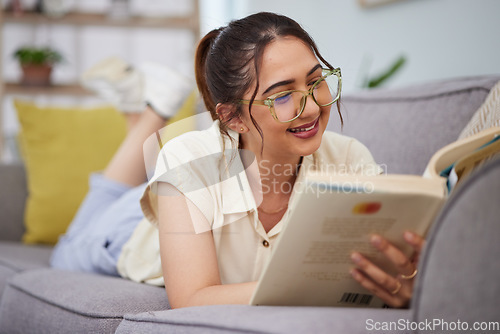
(305, 127)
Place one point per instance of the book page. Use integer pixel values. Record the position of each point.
(467, 164)
(455, 151)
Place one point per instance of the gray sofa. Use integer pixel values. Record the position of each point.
(458, 273)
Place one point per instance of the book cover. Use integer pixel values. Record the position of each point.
(333, 215)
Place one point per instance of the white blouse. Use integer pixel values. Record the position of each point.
(218, 186)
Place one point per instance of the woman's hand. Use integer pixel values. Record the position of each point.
(394, 291)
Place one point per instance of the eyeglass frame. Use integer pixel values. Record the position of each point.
(270, 100)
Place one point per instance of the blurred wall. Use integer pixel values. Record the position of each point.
(439, 38)
(84, 46)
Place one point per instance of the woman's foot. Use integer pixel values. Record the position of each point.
(130, 89)
(118, 83)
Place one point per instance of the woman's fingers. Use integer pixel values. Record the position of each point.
(395, 291)
(415, 240)
(402, 263)
(377, 275)
(398, 296)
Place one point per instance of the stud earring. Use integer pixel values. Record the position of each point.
(241, 129)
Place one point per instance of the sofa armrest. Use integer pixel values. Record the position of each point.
(261, 319)
(13, 193)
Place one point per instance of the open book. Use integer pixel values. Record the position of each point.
(334, 215)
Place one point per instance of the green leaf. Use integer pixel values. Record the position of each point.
(38, 56)
(380, 79)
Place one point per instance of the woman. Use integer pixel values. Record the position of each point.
(269, 92)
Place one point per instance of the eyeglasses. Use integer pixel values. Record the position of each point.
(288, 105)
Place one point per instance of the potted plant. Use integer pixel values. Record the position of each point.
(37, 63)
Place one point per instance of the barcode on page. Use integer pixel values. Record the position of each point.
(356, 298)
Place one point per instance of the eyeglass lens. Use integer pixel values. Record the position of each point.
(289, 105)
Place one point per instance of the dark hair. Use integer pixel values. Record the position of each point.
(228, 59)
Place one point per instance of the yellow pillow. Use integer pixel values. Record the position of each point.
(61, 147)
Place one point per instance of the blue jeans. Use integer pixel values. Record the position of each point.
(103, 224)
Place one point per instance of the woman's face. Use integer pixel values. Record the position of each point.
(287, 64)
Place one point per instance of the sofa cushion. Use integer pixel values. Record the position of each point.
(404, 127)
(259, 319)
(71, 302)
(16, 257)
(12, 198)
(460, 266)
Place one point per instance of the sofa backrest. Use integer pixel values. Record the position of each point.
(12, 200)
(401, 127)
(404, 127)
(460, 267)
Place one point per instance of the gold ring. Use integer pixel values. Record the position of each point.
(410, 276)
(395, 291)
